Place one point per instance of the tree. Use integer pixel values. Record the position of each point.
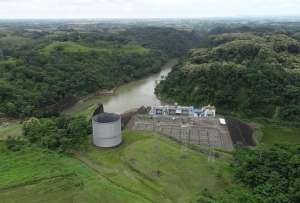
(62, 133)
(13, 144)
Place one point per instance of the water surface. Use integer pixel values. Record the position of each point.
(126, 97)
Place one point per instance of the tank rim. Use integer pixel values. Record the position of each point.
(104, 118)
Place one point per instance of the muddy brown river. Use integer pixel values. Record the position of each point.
(126, 97)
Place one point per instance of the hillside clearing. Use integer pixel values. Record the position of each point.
(280, 134)
(10, 129)
(73, 47)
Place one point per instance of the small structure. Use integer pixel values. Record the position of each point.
(222, 121)
(185, 111)
(172, 110)
(106, 130)
(209, 111)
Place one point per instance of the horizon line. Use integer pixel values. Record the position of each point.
(155, 18)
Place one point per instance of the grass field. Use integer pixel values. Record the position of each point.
(280, 134)
(12, 129)
(145, 168)
(10, 61)
(73, 47)
(68, 47)
(273, 131)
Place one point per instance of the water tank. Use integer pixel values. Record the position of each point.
(107, 130)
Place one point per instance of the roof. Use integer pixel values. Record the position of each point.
(178, 111)
(106, 117)
(222, 121)
(210, 107)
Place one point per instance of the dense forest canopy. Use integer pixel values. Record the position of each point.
(243, 72)
(266, 174)
(42, 70)
(173, 43)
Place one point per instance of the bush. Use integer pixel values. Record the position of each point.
(13, 144)
(62, 133)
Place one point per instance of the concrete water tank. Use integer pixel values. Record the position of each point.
(107, 130)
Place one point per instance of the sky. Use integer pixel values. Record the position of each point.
(146, 8)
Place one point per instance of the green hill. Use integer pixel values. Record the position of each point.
(49, 76)
(242, 73)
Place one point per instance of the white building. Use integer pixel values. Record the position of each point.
(209, 111)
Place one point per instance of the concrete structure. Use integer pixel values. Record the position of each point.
(209, 111)
(185, 111)
(187, 130)
(222, 121)
(172, 110)
(107, 130)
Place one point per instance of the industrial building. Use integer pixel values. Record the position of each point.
(204, 112)
(106, 130)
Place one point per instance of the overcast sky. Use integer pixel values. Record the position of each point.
(146, 8)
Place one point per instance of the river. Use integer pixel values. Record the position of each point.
(126, 97)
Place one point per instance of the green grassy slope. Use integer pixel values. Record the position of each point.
(39, 176)
(124, 174)
(280, 134)
(68, 47)
(11, 129)
(182, 172)
(73, 47)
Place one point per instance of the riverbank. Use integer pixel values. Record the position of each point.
(126, 97)
(119, 100)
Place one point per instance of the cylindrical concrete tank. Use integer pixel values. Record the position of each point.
(107, 130)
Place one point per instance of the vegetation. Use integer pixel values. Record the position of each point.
(59, 133)
(275, 134)
(145, 168)
(10, 129)
(247, 74)
(43, 71)
(35, 175)
(266, 174)
(251, 71)
(40, 77)
(173, 43)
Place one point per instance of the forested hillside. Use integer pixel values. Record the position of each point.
(265, 174)
(250, 71)
(244, 73)
(174, 43)
(43, 70)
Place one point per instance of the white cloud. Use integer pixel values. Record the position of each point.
(145, 8)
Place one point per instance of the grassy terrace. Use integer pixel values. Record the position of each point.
(128, 173)
(280, 134)
(13, 129)
(73, 47)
